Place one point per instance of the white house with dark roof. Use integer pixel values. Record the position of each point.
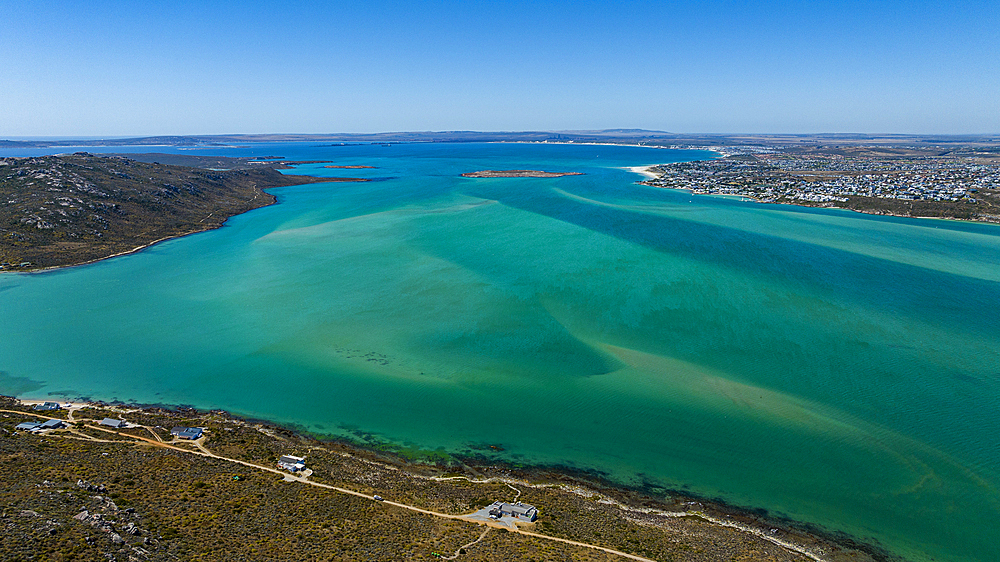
(46, 406)
(294, 464)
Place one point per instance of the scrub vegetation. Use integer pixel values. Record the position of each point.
(76, 208)
(89, 493)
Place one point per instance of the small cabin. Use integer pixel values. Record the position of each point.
(187, 432)
(517, 510)
(52, 424)
(45, 406)
(294, 464)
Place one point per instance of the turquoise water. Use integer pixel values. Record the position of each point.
(837, 368)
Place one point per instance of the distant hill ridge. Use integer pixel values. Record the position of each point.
(617, 136)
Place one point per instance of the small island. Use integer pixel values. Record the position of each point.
(518, 174)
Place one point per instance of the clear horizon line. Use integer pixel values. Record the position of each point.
(623, 131)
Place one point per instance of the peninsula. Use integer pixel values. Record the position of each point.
(518, 174)
(78, 208)
(93, 480)
(959, 182)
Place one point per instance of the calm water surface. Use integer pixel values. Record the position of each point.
(837, 368)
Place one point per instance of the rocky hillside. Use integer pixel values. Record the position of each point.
(71, 209)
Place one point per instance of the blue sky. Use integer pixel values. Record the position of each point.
(142, 68)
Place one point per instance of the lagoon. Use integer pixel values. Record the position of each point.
(837, 368)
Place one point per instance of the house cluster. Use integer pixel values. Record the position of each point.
(35, 427)
(517, 510)
(190, 433)
(59, 424)
(293, 464)
(46, 407)
(40, 426)
(770, 177)
(732, 150)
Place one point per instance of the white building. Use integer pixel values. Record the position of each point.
(517, 510)
(294, 464)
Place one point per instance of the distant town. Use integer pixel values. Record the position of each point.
(896, 180)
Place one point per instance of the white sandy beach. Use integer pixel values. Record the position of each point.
(642, 171)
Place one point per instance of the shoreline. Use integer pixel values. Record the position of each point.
(716, 150)
(147, 244)
(139, 248)
(643, 171)
(125, 253)
(594, 143)
(644, 504)
(753, 199)
(678, 503)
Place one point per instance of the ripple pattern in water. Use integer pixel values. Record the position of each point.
(837, 368)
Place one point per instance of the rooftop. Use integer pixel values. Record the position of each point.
(187, 432)
(47, 406)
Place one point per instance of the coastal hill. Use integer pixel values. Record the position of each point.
(116, 483)
(72, 209)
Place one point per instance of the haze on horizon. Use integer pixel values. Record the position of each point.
(183, 68)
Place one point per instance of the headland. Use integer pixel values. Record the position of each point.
(955, 183)
(79, 208)
(122, 480)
